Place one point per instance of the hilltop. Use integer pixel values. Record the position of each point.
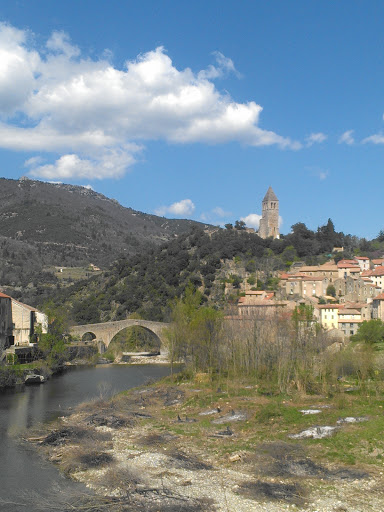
(54, 224)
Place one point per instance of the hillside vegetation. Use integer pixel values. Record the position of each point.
(217, 263)
(52, 224)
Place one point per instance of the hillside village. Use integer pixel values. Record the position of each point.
(342, 294)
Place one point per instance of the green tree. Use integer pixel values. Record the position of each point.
(240, 224)
(52, 344)
(194, 334)
(331, 290)
(370, 331)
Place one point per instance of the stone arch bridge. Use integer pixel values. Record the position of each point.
(103, 333)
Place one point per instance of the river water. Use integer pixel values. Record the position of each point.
(27, 482)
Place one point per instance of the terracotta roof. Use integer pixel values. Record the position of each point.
(379, 297)
(361, 258)
(331, 306)
(378, 271)
(330, 264)
(3, 296)
(262, 302)
(366, 273)
(254, 292)
(270, 195)
(348, 264)
(347, 311)
(355, 305)
(378, 261)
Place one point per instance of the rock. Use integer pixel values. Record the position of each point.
(231, 416)
(234, 458)
(351, 419)
(315, 433)
(34, 378)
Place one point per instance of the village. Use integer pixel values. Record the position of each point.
(342, 294)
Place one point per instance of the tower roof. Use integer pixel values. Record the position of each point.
(270, 195)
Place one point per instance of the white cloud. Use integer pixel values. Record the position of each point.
(347, 138)
(58, 100)
(252, 220)
(185, 207)
(315, 138)
(215, 216)
(220, 212)
(59, 42)
(224, 66)
(111, 163)
(378, 138)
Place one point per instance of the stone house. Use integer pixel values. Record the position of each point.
(364, 262)
(305, 286)
(354, 289)
(348, 268)
(328, 270)
(349, 321)
(6, 336)
(25, 321)
(378, 307)
(378, 262)
(376, 276)
(260, 304)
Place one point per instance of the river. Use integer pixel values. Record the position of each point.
(27, 481)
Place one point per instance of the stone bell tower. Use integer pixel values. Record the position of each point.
(269, 222)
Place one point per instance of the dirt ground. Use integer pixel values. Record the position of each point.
(173, 448)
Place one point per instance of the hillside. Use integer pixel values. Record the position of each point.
(44, 224)
(221, 264)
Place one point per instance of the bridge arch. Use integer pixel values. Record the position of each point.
(88, 336)
(137, 338)
(105, 332)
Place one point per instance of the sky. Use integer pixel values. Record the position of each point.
(193, 109)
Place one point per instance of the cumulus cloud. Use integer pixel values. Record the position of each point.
(347, 138)
(111, 163)
(57, 100)
(185, 207)
(252, 220)
(315, 138)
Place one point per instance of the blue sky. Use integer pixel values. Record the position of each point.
(192, 109)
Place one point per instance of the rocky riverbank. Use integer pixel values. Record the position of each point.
(193, 448)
